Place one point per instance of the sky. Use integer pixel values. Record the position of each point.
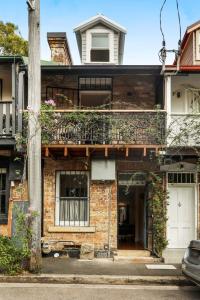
(140, 17)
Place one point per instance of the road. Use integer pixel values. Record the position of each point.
(26, 291)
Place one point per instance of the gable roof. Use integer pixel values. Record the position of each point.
(100, 18)
(188, 32)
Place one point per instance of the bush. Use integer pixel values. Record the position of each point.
(15, 251)
(11, 256)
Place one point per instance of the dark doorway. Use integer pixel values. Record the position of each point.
(131, 210)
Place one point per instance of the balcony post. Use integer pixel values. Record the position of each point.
(168, 94)
(13, 98)
(20, 101)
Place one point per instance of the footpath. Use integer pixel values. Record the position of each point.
(65, 270)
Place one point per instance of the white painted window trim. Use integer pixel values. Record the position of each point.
(197, 45)
(89, 45)
(57, 203)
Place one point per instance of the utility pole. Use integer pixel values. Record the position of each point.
(34, 132)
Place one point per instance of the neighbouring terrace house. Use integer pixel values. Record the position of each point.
(11, 105)
(182, 98)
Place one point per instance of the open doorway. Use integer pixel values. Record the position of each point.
(131, 210)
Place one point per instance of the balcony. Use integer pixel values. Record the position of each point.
(7, 119)
(183, 130)
(106, 127)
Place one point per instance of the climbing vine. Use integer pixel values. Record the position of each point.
(157, 204)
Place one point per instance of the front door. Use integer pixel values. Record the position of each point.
(181, 216)
(131, 210)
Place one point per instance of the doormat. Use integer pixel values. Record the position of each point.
(160, 267)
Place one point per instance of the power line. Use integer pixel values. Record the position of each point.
(161, 21)
(179, 21)
(163, 51)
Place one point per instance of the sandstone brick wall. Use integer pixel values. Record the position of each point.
(99, 195)
(18, 192)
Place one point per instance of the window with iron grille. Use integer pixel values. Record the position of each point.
(72, 198)
(178, 177)
(95, 92)
(3, 196)
(95, 83)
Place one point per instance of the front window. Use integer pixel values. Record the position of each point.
(3, 195)
(95, 92)
(72, 198)
(100, 48)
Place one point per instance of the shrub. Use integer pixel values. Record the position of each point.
(15, 251)
(11, 257)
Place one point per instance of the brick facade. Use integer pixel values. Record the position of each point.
(99, 195)
(128, 92)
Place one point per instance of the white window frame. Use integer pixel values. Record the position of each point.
(198, 45)
(57, 200)
(89, 34)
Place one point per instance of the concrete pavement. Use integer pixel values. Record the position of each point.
(64, 265)
(65, 270)
(95, 292)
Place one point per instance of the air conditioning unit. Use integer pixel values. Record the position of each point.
(103, 170)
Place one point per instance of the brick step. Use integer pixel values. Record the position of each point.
(133, 253)
(137, 260)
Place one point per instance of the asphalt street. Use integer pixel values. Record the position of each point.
(31, 291)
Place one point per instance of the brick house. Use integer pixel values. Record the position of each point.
(95, 169)
(108, 128)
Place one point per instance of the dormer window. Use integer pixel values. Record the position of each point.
(100, 41)
(100, 47)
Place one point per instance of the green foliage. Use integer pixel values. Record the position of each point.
(158, 205)
(10, 256)
(10, 42)
(15, 251)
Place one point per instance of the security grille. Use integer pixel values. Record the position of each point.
(72, 198)
(95, 83)
(176, 177)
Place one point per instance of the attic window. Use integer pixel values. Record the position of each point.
(100, 48)
(198, 45)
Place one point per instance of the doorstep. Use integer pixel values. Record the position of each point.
(136, 256)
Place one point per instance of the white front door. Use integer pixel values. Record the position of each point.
(181, 216)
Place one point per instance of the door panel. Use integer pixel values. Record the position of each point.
(181, 216)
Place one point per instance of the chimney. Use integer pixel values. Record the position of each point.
(60, 52)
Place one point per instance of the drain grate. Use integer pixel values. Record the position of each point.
(160, 267)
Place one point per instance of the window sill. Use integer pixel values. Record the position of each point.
(76, 229)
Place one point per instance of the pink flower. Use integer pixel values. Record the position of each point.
(50, 102)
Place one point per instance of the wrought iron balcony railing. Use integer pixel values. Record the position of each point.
(183, 130)
(107, 127)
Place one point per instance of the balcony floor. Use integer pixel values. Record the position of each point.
(87, 150)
